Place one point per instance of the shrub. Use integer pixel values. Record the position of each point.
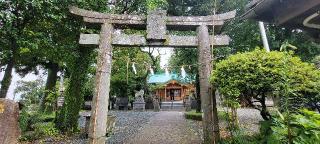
(259, 74)
(45, 129)
(24, 119)
(193, 115)
(305, 128)
(316, 61)
(36, 125)
(241, 138)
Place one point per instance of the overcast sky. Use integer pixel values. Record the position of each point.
(16, 78)
(165, 56)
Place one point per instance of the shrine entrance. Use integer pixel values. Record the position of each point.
(156, 24)
(174, 94)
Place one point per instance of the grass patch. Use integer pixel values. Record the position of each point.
(198, 115)
(239, 138)
(193, 115)
(35, 125)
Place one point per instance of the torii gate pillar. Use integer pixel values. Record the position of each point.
(99, 113)
(204, 76)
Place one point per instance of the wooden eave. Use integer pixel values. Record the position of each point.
(286, 13)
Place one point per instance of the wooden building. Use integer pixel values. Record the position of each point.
(171, 87)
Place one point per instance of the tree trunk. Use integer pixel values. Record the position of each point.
(53, 69)
(6, 81)
(216, 130)
(264, 112)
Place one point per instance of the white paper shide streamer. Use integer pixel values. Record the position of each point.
(134, 68)
(151, 71)
(167, 71)
(61, 87)
(183, 72)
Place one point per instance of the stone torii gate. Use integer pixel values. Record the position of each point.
(156, 24)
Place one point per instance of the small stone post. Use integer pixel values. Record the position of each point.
(188, 103)
(156, 105)
(205, 87)
(99, 112)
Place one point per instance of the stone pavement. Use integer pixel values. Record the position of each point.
(165, 127)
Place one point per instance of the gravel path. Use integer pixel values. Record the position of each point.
(166, 127)
(248, 120)
(128, 123)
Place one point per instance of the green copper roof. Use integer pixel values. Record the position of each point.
(163, 78)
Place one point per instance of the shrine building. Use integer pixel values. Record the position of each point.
(171, 87)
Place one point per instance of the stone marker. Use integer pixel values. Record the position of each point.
(122, 103)
(139, 103)
(60, 101)
(156, 104)
(84, 127)
(9, 126)
(188, 103)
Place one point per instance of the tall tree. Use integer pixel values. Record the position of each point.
(14, 16)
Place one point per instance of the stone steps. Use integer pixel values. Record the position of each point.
(172, 106)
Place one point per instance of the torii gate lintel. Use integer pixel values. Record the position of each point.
(139, 21)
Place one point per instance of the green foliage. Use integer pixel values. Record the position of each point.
(245, 34)
(45, 129)
(89, 87)
(155, 87)
(156, 4)
(193, 115)
(28, 119)
(241, 138)
(307, 48)
(24, 119)
(41, 130)
(50, 102)
(316, 61)
(30, 91)
(225, 116)
(184, 57)
(67, 118)
(123, 79)
(304, 128)
(258, 74)
(36, 125)
(247, 74)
